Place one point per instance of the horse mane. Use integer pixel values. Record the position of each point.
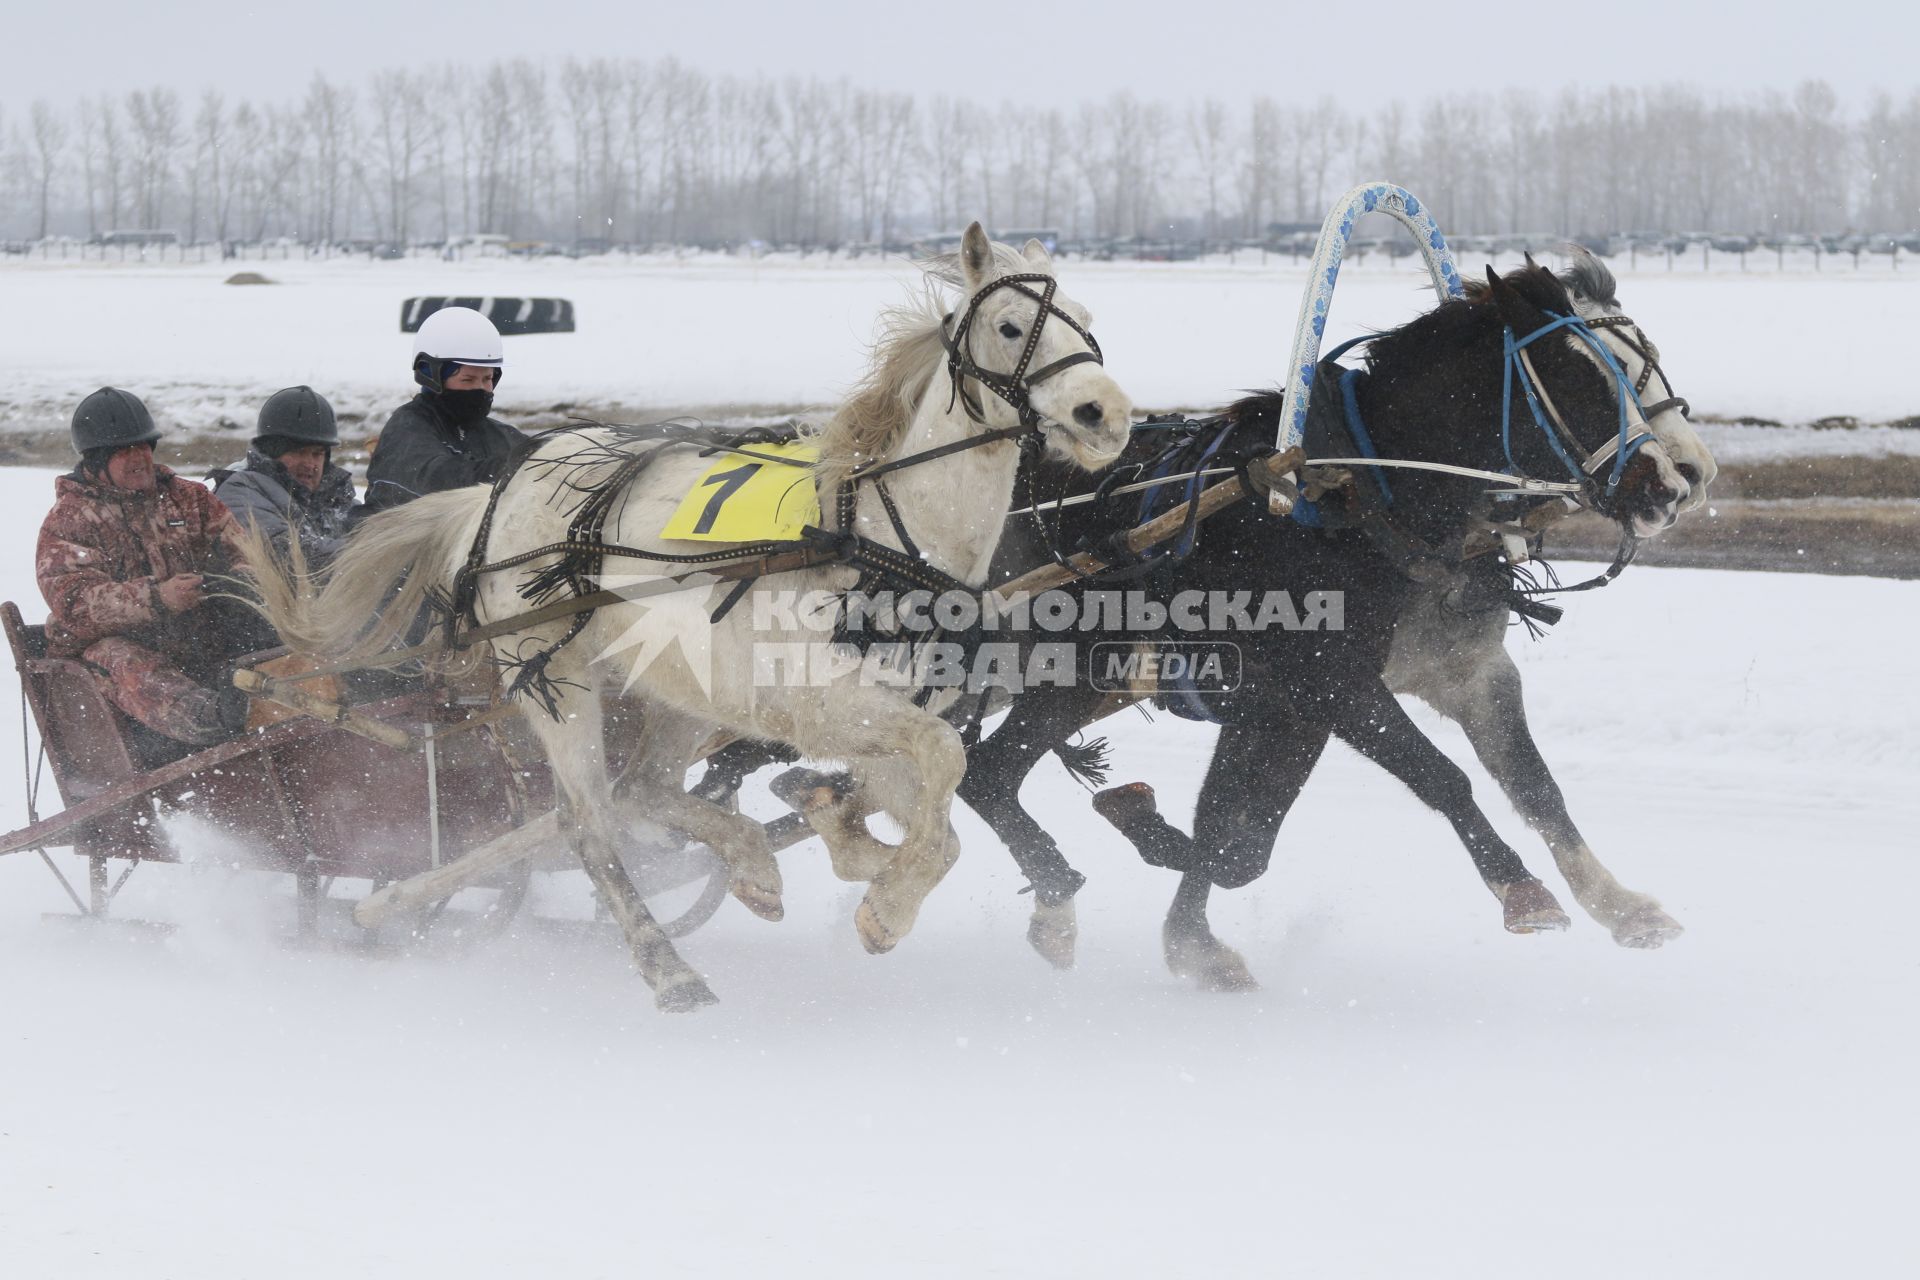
(1588, 277)
(1257, 409)
(907, 356)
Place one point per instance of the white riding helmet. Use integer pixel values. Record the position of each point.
(453, 336)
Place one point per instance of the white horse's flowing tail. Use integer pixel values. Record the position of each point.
(356, 608)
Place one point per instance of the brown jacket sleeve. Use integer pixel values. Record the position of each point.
(83, 599)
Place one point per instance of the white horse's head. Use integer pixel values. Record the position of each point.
(1081, 411)
(1595, 297)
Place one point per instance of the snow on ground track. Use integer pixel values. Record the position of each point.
(1414, 1092)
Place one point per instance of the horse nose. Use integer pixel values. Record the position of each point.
(1090, 414)
(1691, 474)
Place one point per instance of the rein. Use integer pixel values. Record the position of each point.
(584, 550)
(1509, 484)
(1421, 562)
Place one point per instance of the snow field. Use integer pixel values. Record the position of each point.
(1414, 1092)
(709, 330)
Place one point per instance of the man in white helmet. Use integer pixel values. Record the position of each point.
(443, 438)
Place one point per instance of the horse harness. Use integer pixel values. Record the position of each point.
(1365, 493)
(583, 553)
(1584, 465)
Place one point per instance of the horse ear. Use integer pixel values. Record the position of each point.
(1515, 311)
(976, 257)
(1037, 256)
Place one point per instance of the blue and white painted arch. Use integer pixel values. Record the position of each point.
(1369, 197)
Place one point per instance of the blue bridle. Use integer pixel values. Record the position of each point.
(1547, 418)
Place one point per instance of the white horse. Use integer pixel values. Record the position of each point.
(1024, 362)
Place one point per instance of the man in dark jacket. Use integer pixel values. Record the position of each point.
(288, 485)
(124, 560)
(442, 438)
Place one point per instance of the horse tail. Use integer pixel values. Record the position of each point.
(391, 567)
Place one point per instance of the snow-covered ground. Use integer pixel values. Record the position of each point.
(711, 330)
(1414, 1092)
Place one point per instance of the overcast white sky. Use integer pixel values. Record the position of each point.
(1045, 53)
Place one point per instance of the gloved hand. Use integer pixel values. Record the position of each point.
(181, 592)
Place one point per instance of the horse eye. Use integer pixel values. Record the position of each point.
(1007, 329)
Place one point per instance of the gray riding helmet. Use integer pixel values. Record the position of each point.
(112, 418)
(298, 413)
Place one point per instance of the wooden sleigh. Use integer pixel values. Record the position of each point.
(389, 791)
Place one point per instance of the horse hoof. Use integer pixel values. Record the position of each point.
(1228, 975)
(1647, 930)
(1528, 907)
(684, 995)
(1053, 932)
(1122, 804)
(1209, 963)
(810, 790)
(1221, 969)
(873, 935)
(764, 903)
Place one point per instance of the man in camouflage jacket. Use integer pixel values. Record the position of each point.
(124, 560)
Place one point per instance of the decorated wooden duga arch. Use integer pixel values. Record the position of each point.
(1369, 197)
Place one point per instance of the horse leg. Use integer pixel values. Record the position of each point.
(1493, 712)
(911, 762)
(1134, 811)
(728, 768)
(574, 744)
(1039, 722)
(655, 776)
(1235, 825)
(1369, 719)
(1190, 947)
(836, 806)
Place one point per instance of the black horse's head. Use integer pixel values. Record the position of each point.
(1513, 378)
(1569, 406)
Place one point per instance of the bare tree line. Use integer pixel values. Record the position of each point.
(641, 153)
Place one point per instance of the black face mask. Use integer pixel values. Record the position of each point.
(466, 408)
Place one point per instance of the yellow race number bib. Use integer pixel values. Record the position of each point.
(743, 499)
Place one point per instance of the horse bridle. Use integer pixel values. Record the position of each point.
(1583, 465)
(1641, 345)
(1015, 387)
